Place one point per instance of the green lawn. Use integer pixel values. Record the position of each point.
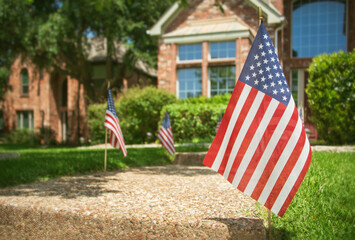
(323, 206)
(43, 164)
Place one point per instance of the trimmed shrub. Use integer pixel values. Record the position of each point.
(139, 111)
(218, 99)
(96, 118)
(22, 136)
(331, 96)
(193, 122)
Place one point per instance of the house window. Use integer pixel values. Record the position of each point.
(24, 82)
(222, 49)
(318, 26)
(222, 80)
(25, 119)
(190, 52)
(65, 93)
(190, 82)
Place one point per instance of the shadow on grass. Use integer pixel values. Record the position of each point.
(279, 234)
(243, 228)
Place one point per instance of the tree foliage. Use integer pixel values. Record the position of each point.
(55, 33)
(331, 96)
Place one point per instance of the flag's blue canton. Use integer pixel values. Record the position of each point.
(166, 121)
(110, 105)
(262, 69)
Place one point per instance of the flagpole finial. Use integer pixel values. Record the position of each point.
(260, 16)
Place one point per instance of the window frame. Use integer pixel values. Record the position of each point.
(24, 70)
(229, 78)
(222, 58)
(188, 60)
(20, 115)
(178, 83)
(346, 22)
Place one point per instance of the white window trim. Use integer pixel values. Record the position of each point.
(30, 119)
(217, 59)
(300, 89)
(188, 61)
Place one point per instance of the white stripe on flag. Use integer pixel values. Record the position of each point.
(270, 148)
(112, 124)
(231, 124)
(255, 141)
(243, 130)
(167, 138)
(292, 178)
(281, 162)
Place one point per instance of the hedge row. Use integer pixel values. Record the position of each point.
(141, 111)
(193, 122)
(138, 111)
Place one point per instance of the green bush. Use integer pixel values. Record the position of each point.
(218, 99)
(331, 96)
(138, 111)
(22, 136)
(193, 122)
(96, 118)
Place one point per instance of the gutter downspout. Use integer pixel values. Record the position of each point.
(277, 34)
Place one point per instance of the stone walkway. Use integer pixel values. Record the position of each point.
(170, 202)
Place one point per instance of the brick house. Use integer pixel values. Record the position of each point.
(40, 99)
(202, 50)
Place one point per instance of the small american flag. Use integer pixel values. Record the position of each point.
(261, 146)
(112, 124)
(165, 135)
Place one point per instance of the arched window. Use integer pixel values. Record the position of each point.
(64, 93)
(24, 82)
(318, 26)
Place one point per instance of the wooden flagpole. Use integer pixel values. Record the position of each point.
(269, 211)
(108, 86)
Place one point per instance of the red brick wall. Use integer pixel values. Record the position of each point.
(201, 10)
(167, 66)
(44, 99)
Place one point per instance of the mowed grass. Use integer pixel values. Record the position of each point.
(323, 207)
(43, 164)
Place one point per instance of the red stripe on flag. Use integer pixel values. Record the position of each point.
(275, 155)
(261, 147)
(165, 143)
(296, 185)
(167, 137)
(116, 130)
(246, 107)
(286, 171)
(217, 141)
(249, 136)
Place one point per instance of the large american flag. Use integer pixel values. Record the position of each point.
(112, 124)
(219, 122)
(165, 135)
(261, 146)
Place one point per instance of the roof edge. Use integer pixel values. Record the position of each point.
(274, 16)
(156, 30)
